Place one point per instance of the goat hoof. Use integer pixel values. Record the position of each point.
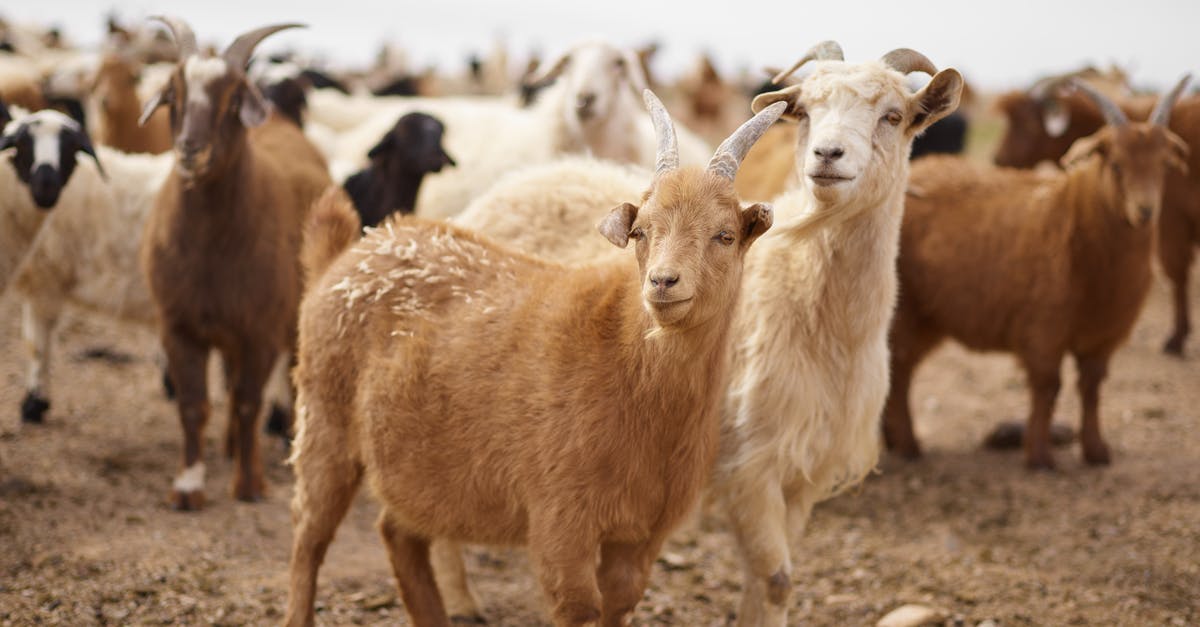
(34, 407)
(468, 619)
(1097, 455)
(1174, 347)
(187, 501)
(279, 421)
(168, 386)
(1041, 463)
(251, 493)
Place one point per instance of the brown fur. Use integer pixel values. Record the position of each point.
(115, 88)
(221, 257)
(488, 396)
(1026, 143)
(1038, 266)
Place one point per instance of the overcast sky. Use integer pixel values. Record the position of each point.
(995, 44)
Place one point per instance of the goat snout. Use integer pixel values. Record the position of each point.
(45, 186)
(664, 279)
(829, 154)
(584, 104)
(1145, 212)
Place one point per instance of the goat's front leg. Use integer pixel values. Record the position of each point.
(37, 326)
(1092, 371)
(623, 574)
(452, 581)
(758, 512)
(187, 362)
(247, 371)
(1044, 384)
(565, 560)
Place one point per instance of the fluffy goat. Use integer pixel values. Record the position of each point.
(1033, 264)
(221, 247)
(809, 377)
(593, 440)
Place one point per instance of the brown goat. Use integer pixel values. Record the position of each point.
(1039, 266)
(115, 92)
(221, 247)
(489, 396)
(1027, 141)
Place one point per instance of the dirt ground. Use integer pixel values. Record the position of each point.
(86, 536)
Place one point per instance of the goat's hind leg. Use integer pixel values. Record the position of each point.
(452, 581)
(409, 555)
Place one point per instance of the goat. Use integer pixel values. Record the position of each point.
(809, 375)
(114, 92)
(403, 156)
(221, 247)
(974, 237)
(592, 442)
(1043, 124)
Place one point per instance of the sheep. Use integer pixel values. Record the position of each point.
(591, 442)
(589, 109)
(973, 238)
(114, 92)
(1042, 125)
(401, 159)
(809, 375)
(220, 251)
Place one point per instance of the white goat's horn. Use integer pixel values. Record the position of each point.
(238, 53)
(1113, 114)
(667, 158)
(1162, 111)
(185, 37)
(730, 153)
(824, 51)
(906, 60)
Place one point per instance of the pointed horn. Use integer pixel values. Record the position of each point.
(907, 60)
(185, 38)
(824, 51)
(238, 53)
(667, 158)
(730, 153)
(1162, 111)
(1113, 114)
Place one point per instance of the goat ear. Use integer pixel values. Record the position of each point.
(1177, 157)
(937, 100)
(161, 98)
(5, 116)
(633, 69)
(756, 219)
(253, 110)
(85, 146)
(616, 225)
(1083, 148)
(547, 74)
(790, 95)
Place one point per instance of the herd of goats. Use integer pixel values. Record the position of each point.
(500, 372)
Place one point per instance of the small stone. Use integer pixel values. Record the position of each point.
(910, 615)
(838, 599)
(988, 623)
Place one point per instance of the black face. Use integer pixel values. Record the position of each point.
(45, 171)
(413, 145)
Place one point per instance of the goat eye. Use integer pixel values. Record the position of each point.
(725, 237)
(637, 233)
(894, 118)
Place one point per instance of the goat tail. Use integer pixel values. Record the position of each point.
(332, 227)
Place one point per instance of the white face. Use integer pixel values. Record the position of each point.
(46, 127)
(853, 127)
(596, 76)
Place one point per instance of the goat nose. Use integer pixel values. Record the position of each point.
(664, 279)
(585, 100)
(829, 153)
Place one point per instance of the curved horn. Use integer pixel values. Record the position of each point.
(238, 53)
(1162, 111)
(1113, 114)
(185, 38)
(730, 153)
(824, 51)
(667, 158)
(907, 60)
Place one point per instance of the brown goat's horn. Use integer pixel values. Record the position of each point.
(238, 53)
(667, 158)
(730, 153)
(1162, 111)
(907, 60)
(185, 37)
(1113, 114)
(824, 51)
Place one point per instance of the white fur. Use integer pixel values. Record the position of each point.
(200, 72)
(191, 479)
(45, 131)
(20, 219)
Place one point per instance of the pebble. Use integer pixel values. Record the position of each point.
(910, 615)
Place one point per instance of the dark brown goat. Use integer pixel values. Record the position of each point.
(1027, 141)
(221, 247)
(403, 156)
(1001, 259)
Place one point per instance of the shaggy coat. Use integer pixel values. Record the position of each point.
(1026, 143)
(1060, 264)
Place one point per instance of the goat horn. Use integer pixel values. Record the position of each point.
(238, 53)
(1113, 114)
(667, 158)
(185, 37)
(730, 153)
(824, 51)
(1162, 111)
(907, 60)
